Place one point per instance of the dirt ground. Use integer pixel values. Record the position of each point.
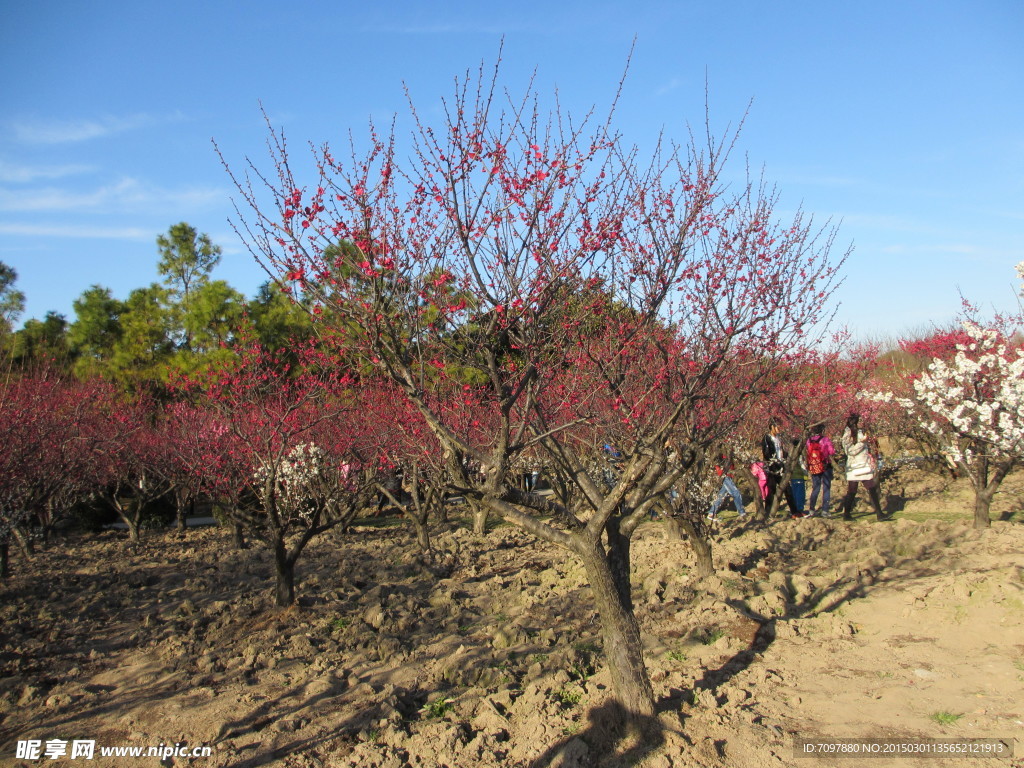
(817, 629)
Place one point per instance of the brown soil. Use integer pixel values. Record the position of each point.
(910, 629)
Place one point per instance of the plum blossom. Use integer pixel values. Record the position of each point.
(296, 474)
(974, 402)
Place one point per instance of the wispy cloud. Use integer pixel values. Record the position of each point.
(23, 174)
(668, 87)
(445, 28)
(41, 131)
(126, 194)
(818, 180)
(925, 249)
(77, 231)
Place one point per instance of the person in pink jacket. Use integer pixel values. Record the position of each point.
(819, 466)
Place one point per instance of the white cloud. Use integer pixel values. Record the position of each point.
(23, 174)
(77, 231)
(126, 194)
(38, 131)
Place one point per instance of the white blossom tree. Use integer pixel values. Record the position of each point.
(973, 407)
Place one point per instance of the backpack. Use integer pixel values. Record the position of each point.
(815, 457)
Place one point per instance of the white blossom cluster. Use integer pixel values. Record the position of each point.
(296, 477)
(1020, 274)
(977, 397)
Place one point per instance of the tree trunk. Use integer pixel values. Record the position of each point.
(132, 521)
(701, 548)
(284, 567)
(982, 505)
(46, 522)
(238, 536)
(618, 562)
(23, 541)
(986, 478)
(422, 535)
(479, 518)
(622, 647)
(181, 513)
(5, 563)
(131, 516)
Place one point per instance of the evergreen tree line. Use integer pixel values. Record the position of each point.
(186, 322)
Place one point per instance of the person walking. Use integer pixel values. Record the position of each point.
(725, 470)
(860, 468)
(819, 452)
(774, 455)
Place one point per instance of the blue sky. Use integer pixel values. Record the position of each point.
(902, 121)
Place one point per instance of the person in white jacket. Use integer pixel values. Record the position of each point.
(860, 468)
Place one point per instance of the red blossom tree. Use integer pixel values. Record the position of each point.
(533, 290)
(47, 446)
(283, 448)
(131, 461)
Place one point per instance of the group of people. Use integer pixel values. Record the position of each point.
(861, 470)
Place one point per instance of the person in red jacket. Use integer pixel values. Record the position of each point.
(819, 466)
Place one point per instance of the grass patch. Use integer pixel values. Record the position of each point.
(583, 663)
(676, 656)
(379, 522)
(944, 717)
(437, 708)
(712, 635)
(568, 697)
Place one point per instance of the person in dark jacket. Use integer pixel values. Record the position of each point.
(774, 453)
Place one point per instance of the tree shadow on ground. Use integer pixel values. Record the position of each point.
(1015, 513)
(141, 600)
(780, 555)
(611, 739)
